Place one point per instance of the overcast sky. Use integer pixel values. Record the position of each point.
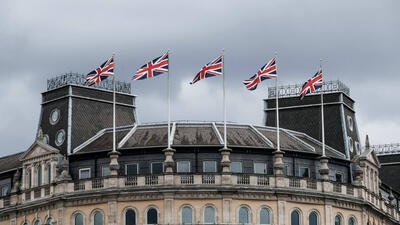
(359, 42)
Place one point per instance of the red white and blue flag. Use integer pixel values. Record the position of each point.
(101, 73)
(268, 71)
(153, 68)
(312, 84)
(211, 69)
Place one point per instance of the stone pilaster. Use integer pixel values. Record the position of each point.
(226, 211)
(226, 165)
(328, 214)
(169, 208)
(281, 212)
(112, 212)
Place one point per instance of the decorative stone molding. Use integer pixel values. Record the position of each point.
(324, 170)
(114, 165)
(169, 162)
(278, 163)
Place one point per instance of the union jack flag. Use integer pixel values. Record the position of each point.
(213, 68)
(268, 71)
(101, 73)
(312, 84)
(153, 68)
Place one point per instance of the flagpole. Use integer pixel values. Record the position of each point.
(169, 103)
(224, 96)
(322, 114)
(114, 138)
(278, 144)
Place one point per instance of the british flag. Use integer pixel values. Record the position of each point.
(312, 84)
(211, 69)
(152, 68)
(101, 73)
(268, 71)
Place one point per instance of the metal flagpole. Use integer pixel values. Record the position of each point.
(278, 144)
(224, 96)
(114, 139)
(322, 114)
(169, 103)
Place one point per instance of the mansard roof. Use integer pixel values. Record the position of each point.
(10, 162)
(204, 134)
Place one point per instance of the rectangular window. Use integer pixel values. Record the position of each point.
(157, 167)
(49, 174)
(339, 177)
(236, 167)
(131, 169)
(260, 167)
(209, 166)
(105, 171)
(84, 173)
(4, 190)
(183, 167)
(285, 170)
(304, 172)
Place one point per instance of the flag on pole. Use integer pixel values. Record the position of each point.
(153, 68)
(268, 71)
(101, 73)
(211, 69)
(312, 84)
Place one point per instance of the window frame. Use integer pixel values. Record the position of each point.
(94, 214)
(265, 167)
(215, 166)
(192, 212)
(248, 214)
(285, 167)
(102, 170)
(241, 166)
(130, 164)
(126, 210)
(204, 214)
(82, 169)
(299, 213)
(157, 213)
(6, 186)
(186, 161)
(304, 167)
(269, 214)
(342, 174)
(316, 213)
(151, 167)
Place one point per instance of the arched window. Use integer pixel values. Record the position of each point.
(130, 217)
(37, 222)
(98, 218)
(209, 214)
(338, 220)
(352, 221)
(243, 215)
(264, 216)
(78, 219)
(152, 216)
(313, 218)
(187, 215)
(49, 221)
(295, 218)
(39, 175)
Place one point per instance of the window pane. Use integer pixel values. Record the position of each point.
(183, 167)
(84, 173)
(243, 215)
(30, 179)
(264, 216)
(209, 166)
(260, 168)
(209, 215)
(152, 217)
(39, 177)
(186, 215)
(78, 219)
(313, 218)
(4, 190)
(37, 222)
(338, 220)
(339, 177)
(132, 169)
(351, 221)
(105, 171)
(157, 168)
(236, 167)
(295, 218)
(98, 218)
(304, 172)
(49, 174)
(285, 170)
(130, 217)
(49, 221)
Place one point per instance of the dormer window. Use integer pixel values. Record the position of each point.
(84, 173)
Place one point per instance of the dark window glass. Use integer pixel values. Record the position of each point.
(84, 173)
(79, 219)
(131, 169)
(98, 218)
(48, 174)
(49, 221)
(313, 218)
(187, 215)
(29, 178)
(338, 220)
(243, 215)
(236, 167)
(157, 168)
(130, 217)
(105, 171)
(295, 218)
(39, 177)
(304, 172)
(351, 221)
(183, 167)
(264, 216)
(260, 168)
(209, 166)
(152, 216)
(209, 215)
(339, 177)
(37, 222)
(285, 170)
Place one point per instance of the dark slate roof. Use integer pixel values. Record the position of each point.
(205, 134)
(10, 162)
(389, 174)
